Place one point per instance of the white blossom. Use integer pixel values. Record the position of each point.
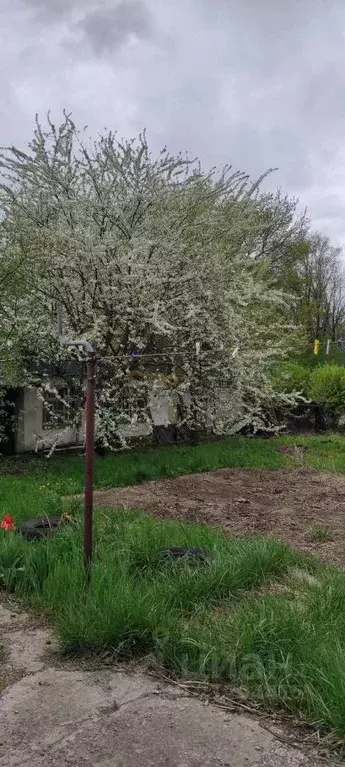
(141, 254)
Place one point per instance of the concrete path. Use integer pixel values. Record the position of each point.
(62, 717)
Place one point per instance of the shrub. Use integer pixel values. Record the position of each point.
(327, 388)
(289, 376)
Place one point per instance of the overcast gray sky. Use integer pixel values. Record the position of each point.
(257, 83)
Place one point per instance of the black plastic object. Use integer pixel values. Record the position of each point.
(35, 529)
(175, 552)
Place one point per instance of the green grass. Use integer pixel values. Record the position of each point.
(34, 486)
(261, 617)
(324, 453)
(320, 533)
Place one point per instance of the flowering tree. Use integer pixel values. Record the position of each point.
(153, 261)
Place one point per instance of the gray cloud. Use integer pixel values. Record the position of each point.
(257, 84)
(47, 12)
(107, 27)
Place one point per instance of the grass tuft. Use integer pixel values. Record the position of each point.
(320, 534)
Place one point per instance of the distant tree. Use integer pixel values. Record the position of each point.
(321, 306)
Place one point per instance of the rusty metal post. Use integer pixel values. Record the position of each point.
(89, 462)
(89, 446)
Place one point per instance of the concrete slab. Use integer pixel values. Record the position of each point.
(60, 717)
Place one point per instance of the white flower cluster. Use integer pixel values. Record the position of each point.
(142, 256)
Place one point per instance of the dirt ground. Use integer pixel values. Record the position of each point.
(56, 714)
(300, 506)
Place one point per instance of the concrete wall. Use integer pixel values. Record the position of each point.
(31, 435)
(163, 411)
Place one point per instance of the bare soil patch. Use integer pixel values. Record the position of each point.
(290, 505)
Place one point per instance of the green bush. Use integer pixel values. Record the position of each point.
(289, 376)
(327, 388)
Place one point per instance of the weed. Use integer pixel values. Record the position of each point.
(320, 533)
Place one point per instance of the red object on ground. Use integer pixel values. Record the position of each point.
(8, 523)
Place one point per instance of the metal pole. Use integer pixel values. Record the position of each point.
(89, 461)
(89, 446)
